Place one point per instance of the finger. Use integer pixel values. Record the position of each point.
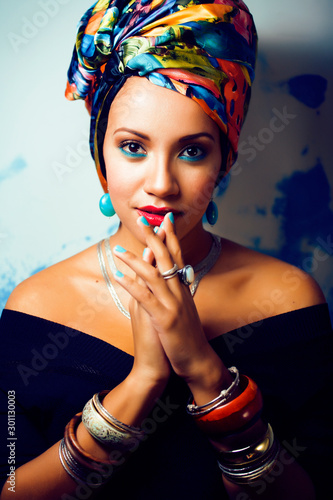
(171, 240)
(164, 260)
(139, 292)
(148, 255)
(174, 248)
(154, 241)
(148, 276)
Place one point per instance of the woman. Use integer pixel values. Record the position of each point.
(133, 327)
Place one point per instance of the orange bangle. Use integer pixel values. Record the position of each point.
(235, 415)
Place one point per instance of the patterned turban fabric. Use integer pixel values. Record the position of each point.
(203, 50)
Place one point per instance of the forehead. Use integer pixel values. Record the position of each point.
(142, 103)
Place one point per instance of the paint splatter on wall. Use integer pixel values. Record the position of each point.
(308, 89)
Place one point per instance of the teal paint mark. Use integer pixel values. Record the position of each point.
(17, 166)
(113, 228)
(305, 214)
(262, 61)
(37, 270)
(6, 289)
(308, 89)
(256, 240)
(261, 211)
(223, 185)
(305, 221)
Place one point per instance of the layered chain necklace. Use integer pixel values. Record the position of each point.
(200, 269)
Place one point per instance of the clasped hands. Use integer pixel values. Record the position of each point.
(166, 327)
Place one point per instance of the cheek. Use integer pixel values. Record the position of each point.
(195, 200)
(201, 198)
(121, 185)
(203, 181)
(202, 190)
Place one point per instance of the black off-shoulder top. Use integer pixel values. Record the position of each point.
(53, 370)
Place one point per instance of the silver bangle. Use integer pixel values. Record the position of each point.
(97, 402)
(221, 399)
(75, 470)
(245, 465)
(248, 454)
(102, 430)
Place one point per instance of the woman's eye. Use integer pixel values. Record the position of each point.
(132, 149)
(193, 153)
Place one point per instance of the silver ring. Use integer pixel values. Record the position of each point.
(186, 275)
(171, 273)
(171, 276)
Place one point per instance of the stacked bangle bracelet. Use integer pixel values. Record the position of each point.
(80, 465)
(97, 402)
(222, 417)
(236, 415)
(102, 426)
(107, 429)
(247, 464)
(222, 398)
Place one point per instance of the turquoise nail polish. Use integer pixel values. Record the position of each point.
(119, 249)
(144, 220)
(119, 274)
(156, 228)
(144, 252)
(162, 223)
(171, 217)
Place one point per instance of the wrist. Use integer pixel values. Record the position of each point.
(146, 379)
(132, 400)
(209, 378)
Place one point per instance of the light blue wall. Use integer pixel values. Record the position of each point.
(279, 199)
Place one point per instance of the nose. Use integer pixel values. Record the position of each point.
(161, 180)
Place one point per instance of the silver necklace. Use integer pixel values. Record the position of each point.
(200, 269)
(106, 277)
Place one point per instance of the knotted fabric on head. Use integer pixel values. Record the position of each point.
(203, 50)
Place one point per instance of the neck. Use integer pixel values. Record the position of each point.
(196, 245)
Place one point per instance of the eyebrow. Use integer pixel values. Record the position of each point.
(196, 136)
(124, 129)
(181, 140)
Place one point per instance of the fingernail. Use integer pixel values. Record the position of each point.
(162, 223)
(144, 252)
(156, 228)
(119, 249)
(144, 220)
(119, 274)
(171, 217)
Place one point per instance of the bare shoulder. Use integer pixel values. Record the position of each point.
(287, 287)
(41, 294)
(264, 285)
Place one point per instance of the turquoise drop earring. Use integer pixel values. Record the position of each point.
(212, 213)
(105, 205)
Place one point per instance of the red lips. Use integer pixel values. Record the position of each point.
(155, 215)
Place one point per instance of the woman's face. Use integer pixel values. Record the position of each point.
(162, 153)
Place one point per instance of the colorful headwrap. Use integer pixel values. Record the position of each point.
(205, 50)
